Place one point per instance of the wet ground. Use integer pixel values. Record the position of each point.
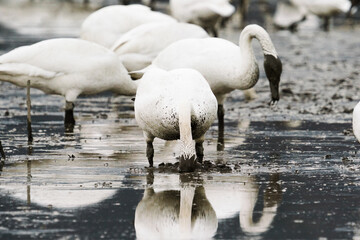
(289, 172)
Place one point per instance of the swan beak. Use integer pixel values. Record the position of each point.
(273, 70)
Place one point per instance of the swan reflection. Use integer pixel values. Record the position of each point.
(47, 185)
(194, 210)
(175, 214)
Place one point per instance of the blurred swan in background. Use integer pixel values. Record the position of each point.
(66, 67)
(106, 25)
(206, 13)
(224, 65)
(322, 8)
(178, 104)
(138, 47)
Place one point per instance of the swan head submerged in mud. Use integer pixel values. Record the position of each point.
(273, 70)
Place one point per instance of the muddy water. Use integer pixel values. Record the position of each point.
(289, 172)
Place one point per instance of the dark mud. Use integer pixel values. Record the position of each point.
(286, 172)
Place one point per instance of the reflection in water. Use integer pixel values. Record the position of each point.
(195, 209)
(175, 214)
(230, 199)
(47, 185)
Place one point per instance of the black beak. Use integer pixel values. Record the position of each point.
(273, 70)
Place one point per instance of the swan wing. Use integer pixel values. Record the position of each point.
(24, 69)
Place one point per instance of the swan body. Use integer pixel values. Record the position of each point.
(323, 8)
(138, 47)
(106, 25)
(174, 105)
(224, 65)
(205, 13)
(66, 67)
(356, 121)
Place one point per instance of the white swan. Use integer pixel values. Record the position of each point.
(323, 8)
(174, 105)
(66, 67)
(205, 13)
(138, 47)
(224, 65)
(106, 25)
(356, 121)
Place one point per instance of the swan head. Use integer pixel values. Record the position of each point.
(273, 70)
(187, 163)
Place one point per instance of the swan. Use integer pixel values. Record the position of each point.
(323, 8)
(107, 24)
(66, 67)
(174, 105)
(138, 47)
(356, 121)
(224, 65)
(205, 13)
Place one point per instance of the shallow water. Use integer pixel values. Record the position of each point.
(289, 172)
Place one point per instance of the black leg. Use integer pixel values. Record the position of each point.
(327, 24)
(150, 152)
(199, 151)
(220, 144)
(69, 116)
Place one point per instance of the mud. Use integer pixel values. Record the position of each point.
(286, 172)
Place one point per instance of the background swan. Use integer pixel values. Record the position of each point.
(174, 105)
(323, 8)
(66, 67)
(106, 25)
(356, 121)
(224, 65)
(205, 13)
(138, 47)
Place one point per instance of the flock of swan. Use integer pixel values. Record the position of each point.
(183, 75)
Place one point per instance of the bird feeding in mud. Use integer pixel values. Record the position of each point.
(66, 67)
(107, 24)
(224, 65)
(205, 13)
(138, 47)
(173, 105)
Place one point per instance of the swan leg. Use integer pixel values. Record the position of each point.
(220, 144)
(69, 115)
(199, 149)
(149, 148)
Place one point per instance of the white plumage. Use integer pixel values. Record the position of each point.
(138, 47)
(174, 105)
(66, 67)
(205, 13)
(224, 65)
(106, 25)
(356, 121)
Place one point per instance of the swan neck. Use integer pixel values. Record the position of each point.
(255, 31)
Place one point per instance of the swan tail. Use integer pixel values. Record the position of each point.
(226, 10)
(187, 158)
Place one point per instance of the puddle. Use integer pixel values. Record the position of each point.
(292, 172)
